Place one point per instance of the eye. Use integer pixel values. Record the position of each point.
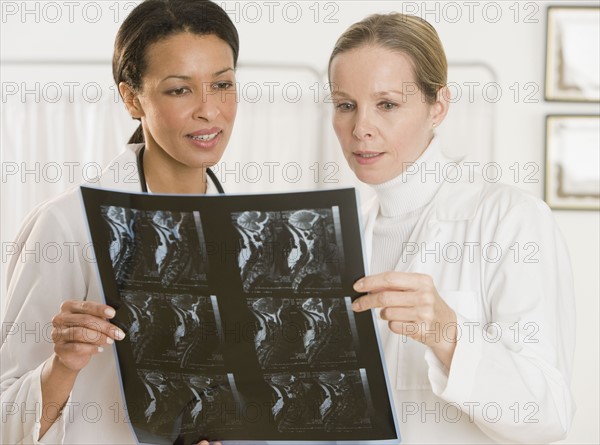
(222, 85)
(388, 105)
(344, 106)
(178, 91)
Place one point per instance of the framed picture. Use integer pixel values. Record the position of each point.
(573, 54)
(573, 162)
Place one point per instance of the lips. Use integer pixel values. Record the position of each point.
(205, 138)
(205, 135)
(367, 157)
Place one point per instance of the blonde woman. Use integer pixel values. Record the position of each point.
(478, 342)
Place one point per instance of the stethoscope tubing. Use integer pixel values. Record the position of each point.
(140, 167)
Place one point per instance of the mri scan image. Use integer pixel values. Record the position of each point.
(167, 247)
(326, 401)
(180, 330)
(195, 403)
(297, 251)
(294, 331)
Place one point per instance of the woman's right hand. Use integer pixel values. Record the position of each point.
(80, 330)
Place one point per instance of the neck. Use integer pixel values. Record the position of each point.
(167, 176)
(411, 191)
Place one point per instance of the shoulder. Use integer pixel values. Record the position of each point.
(64, 211)
(499, 201)
(478, 198)
(56, 212)
(55, 224)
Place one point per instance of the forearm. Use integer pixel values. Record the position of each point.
(57, 383)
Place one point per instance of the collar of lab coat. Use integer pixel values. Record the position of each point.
(122, 173)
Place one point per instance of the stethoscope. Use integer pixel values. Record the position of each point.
(140, 166)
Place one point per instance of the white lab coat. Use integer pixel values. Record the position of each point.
(512, 376)
(55, 263)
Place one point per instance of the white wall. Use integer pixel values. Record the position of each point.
(514, 47)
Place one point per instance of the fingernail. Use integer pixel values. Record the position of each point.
(109, 341)
(109, 312)
(100, 349)
(119, 334)
(359, 284)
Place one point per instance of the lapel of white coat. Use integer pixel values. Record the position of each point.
(454, 202)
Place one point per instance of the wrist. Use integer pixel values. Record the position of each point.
(55, 370)
(444, 351)
(57, 381)
(445, 347)
(61, 367)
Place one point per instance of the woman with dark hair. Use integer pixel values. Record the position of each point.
(477, 338)
(174, 64)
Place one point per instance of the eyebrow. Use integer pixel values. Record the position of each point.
(378, 94)
(183, 77)
(340, 94)
(385, 93)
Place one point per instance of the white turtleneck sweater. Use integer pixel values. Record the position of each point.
(402, 201)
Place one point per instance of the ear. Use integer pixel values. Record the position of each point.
(130, 98)
(439, 109)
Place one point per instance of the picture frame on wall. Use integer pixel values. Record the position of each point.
(572, 162)
(573, 54)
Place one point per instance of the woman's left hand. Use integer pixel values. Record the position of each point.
(205, 442)
(413, 307)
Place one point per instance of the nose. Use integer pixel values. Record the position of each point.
(208, 106)
(363, 127)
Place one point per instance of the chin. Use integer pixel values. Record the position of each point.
(207, 160)
(370, 178)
